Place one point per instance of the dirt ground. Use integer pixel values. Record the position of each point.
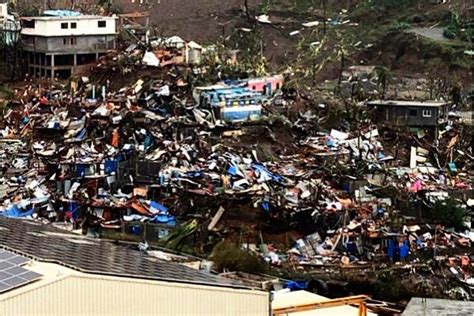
(193, 20)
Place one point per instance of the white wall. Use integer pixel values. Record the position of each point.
(85, 26)
(3, 9)
(101, 295)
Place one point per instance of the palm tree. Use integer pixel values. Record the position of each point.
(383, 78)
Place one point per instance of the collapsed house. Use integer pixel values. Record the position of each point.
(237, 101)
(165, 161)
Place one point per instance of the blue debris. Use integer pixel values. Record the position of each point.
(15, 212)
(262, 169)
(110, 166)
(232, 170)
(61, 13)
(158, 206)
(296, 285)
(164, 219)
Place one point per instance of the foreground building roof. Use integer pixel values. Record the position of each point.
(430, 306)
(48, 244)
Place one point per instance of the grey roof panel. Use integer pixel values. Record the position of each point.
(46, 243)
(4, 275)
(18, 260)
(407, 103)
(11, 274)
(5, 265)
(15, 281)
(15, 270)
(30, 276)
(4, 287)
(5, 255)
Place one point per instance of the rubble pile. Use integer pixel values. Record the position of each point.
(113, 162)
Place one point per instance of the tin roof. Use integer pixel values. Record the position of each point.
(407, 103)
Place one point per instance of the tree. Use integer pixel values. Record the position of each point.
(448, 212)
(383, 79)
(228, 256)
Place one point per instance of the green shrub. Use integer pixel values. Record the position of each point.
(228, 256)
(447, 212)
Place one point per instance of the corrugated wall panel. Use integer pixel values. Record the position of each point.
(84, 295)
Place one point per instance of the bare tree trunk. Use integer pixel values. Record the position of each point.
(324, 18)
(341, 69)
(246, 9)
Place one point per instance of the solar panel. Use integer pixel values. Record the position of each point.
(15, 270)
(4, 287)
(5, 255)
(18, 260)
(12, 275)
(30, 275)
(5, 265)
(15, 281)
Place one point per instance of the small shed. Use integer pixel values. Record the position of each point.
(409, 113)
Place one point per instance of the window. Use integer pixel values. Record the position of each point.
(69, 41)
(413, 112)
(101, 24)
(426, 113)
(28, 24)
(64, 25)
(74, 25)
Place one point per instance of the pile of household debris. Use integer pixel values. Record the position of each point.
(145, 159)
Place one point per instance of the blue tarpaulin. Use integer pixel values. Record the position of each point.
(296, 285)
(81, 134)
(262, 169)
(61, 13)
(15, 212)
(110, 166)
(404, 250)
(81, 170)
(72, 210)
(452, 167)
(165, 219)
(232, 170)
(158, 206)
(136, 230)
(391, 249)
(148, 141)
(396, 252)
(193, 174)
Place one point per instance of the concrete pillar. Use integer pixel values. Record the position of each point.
(34, 63)
(52, 66)
(43, 65)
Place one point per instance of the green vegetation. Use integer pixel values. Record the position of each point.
(447, 212)
(228, 256)
(177, 240)
(399, 26)
(25, 9)
(459, 27)
(5, 94)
